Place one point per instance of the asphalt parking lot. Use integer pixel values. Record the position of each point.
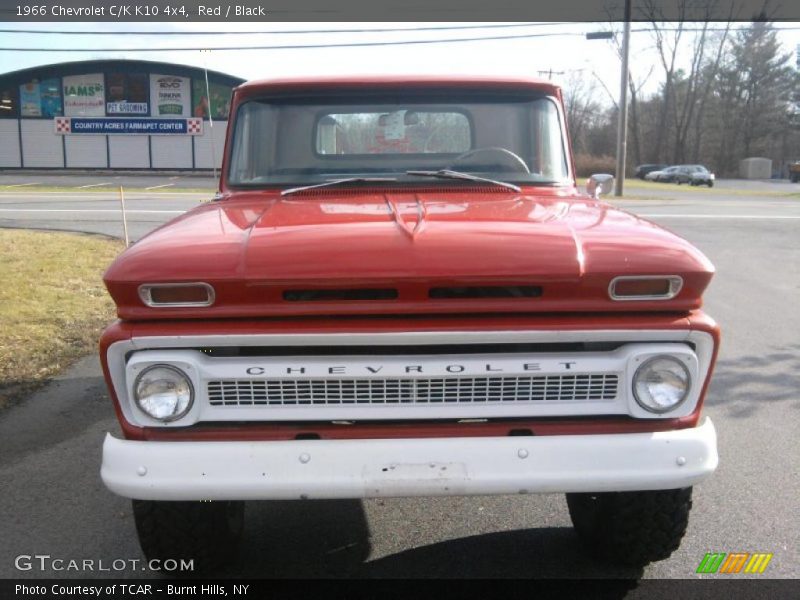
(88, 180)
(54, 502)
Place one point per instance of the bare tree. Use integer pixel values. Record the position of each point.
(583, 108)
(709, 76)
(667, 42)
(635, 86)
(727, 93)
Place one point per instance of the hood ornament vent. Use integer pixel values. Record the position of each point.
(409, 228)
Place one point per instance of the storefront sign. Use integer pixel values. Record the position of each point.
(220, 102)
(170, 95)
(40, 98)
(67, 126)
(50, 93)
(30, 101)
(126, 108)
(84, 95)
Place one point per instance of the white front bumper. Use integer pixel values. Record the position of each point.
(408, 467)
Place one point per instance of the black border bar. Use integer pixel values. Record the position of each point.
(184, 11)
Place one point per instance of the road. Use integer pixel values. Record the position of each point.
(95, 212)
(53, 501)
(92, 202)
(84, 180)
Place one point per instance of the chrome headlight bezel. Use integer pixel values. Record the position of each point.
(647, 364)
(181, 374)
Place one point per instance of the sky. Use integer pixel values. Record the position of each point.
(562, 52)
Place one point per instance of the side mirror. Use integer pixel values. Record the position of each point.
(599, 183)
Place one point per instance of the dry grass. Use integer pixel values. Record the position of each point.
(53, 304)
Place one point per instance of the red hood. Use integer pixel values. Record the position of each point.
(254, 246)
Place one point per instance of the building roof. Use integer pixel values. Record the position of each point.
(89, 66)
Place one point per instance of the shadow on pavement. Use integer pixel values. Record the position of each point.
(60, 410)
(741, 384)
(331, 539)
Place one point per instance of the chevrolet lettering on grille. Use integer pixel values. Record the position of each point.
(378, 369)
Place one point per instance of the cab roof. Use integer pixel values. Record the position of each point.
(388, 82)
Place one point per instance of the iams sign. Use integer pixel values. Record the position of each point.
(83, 90)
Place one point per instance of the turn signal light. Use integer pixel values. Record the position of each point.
(645, 287)
(177, 294)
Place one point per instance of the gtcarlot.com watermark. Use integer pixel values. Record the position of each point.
(46, 562)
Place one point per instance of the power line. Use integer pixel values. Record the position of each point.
(297, 46)
(359, 30)
(358, 44)
(285, 32)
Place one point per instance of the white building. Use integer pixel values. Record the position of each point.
(113, 114)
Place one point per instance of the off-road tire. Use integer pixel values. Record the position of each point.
(207, 532)
(631, 528)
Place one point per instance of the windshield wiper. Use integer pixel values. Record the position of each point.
(336, 182)
(448, 174)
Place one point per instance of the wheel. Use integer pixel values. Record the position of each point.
(517, 161)
(710, 184)
(631, 528)
(208, 532)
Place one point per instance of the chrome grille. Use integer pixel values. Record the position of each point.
(456, 390)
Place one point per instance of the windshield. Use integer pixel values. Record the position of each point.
(306, 142)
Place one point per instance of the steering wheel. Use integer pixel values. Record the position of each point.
(517, 160)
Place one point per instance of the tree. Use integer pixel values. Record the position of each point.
(733, 94)
(667, 42)
(767, 81)
(695, 87)
(755, 92)
(583, 108)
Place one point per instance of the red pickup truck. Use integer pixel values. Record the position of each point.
(399, 290)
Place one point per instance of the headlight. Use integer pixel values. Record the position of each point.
(163, 392)
(661, 383)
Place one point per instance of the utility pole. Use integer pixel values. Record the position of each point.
(622, 126)
(210, 117)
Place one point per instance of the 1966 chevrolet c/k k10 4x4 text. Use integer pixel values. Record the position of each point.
(399, 291)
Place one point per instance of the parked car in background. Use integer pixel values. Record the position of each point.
(643, 170)
(691, 174)
(694, 175)
(666, 174)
